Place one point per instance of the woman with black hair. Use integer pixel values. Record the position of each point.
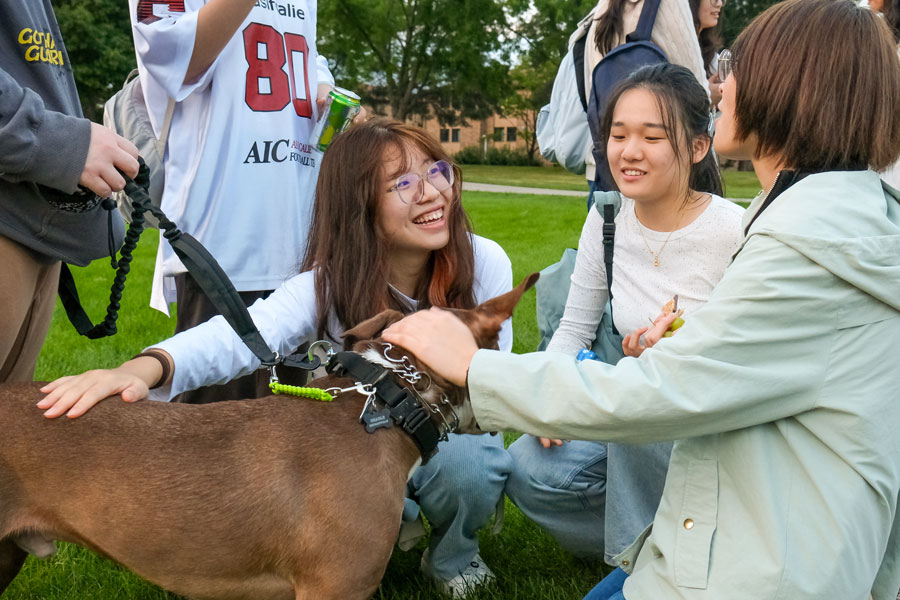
(675, 235)
(673, 32)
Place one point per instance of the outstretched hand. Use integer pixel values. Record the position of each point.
(439, 339)
(75, 395)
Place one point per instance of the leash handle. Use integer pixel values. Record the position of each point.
(197, 259)
(68, 294)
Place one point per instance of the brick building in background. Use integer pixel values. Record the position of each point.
(501, 132)
(496, 131)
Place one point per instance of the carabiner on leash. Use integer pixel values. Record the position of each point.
(309, 362)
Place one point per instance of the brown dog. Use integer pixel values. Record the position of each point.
(280, 498)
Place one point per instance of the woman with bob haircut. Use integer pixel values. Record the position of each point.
(782, 390)
(389, 231)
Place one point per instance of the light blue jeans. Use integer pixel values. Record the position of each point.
(594, 498)
(562, 489)
(458, 491)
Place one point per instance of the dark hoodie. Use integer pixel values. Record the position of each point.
(43, 141)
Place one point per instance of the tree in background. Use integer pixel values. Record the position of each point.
(449, 56)
(97, 34)
(531, 91)
(415, 56)
(737, 14)
(542, 29)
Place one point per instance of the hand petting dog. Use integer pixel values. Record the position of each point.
(451, 357)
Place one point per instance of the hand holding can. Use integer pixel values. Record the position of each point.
(341, 107)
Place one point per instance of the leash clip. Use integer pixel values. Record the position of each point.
(329, 351)
(273, 376)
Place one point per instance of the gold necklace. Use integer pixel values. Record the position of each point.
(656, 254)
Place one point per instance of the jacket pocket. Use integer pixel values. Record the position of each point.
(699, 512)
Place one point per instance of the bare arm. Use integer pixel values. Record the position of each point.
(217, 23)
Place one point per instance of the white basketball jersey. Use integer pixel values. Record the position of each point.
(240, 172)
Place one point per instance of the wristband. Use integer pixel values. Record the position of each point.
(163, 361)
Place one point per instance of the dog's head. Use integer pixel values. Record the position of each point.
(484, 321)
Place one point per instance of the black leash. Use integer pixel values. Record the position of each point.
(196, 259)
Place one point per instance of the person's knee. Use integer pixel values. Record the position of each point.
(546, 475)
(469, 473)
(526, 476)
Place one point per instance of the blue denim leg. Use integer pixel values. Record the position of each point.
(636, 476)
(609, 588)
(562, 489)
(458, 491)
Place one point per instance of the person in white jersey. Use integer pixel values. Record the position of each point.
(240, 171)
(675, 234)
(412, 248)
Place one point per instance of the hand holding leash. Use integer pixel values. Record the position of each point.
(107, 154)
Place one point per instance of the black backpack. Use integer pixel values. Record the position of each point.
(619, 63)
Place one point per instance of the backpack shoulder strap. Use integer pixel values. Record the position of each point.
(578, 58)
(608, 204)
(645, 23)
(164, 130)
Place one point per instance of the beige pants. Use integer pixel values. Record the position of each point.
(28, 289)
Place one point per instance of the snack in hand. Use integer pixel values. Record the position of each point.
(667, 309)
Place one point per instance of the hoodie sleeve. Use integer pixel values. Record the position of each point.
(755, 353)
(31, 136)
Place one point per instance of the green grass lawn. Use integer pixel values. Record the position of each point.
(738, 184)
(534, 230)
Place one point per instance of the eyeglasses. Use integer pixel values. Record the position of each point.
(714, 3)
(411, 187)
(726, 64)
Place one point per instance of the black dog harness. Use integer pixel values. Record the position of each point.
(401, 405)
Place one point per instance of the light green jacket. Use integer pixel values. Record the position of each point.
(784, 394)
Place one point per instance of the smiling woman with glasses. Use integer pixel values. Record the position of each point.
(389, 232)
(411, 187)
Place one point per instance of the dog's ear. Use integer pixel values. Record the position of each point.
(489, 316)
(370, 328)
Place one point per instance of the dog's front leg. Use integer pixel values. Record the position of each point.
(11, 559)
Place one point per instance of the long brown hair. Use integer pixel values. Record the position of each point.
(710, 39)
(346, 249)
(819, 108)
(609, 27)
(891, 12)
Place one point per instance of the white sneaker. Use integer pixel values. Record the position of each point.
(473, 576)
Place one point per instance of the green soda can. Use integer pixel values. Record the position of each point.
(340, 109)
